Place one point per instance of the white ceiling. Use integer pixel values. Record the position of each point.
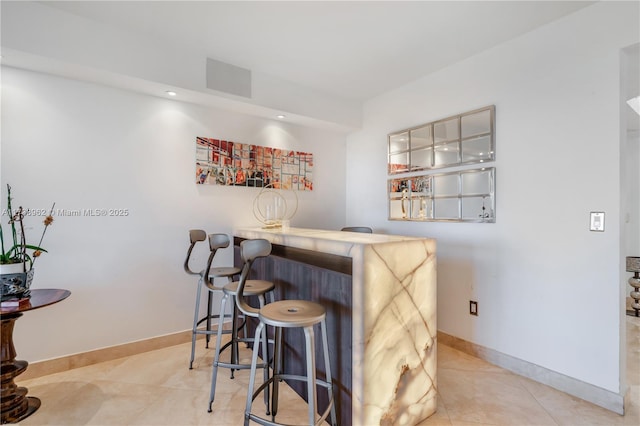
(350, 50)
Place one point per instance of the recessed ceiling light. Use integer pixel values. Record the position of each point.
(171, 93)
(280, 116)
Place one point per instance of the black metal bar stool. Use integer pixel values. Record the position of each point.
(244, 288)
(206, 280)
(288, 314)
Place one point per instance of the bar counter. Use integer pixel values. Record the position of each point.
(390, 310)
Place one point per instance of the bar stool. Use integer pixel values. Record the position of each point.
(288, 314)
(206, 280)
(244, 288)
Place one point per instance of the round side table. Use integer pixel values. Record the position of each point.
(16, 405)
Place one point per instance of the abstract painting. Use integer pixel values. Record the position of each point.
(220, 162)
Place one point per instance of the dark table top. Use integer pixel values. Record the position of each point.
(39, 298)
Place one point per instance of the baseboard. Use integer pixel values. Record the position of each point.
(68, 362)
(598, 396)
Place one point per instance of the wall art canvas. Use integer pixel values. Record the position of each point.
(220, 162)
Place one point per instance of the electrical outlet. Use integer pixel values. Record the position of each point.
(473, 307)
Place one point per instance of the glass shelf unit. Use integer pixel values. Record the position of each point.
(460, 196)
(462, 139)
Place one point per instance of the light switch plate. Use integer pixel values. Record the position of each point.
(597, 221)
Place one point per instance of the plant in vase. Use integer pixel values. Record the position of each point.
(16, 261)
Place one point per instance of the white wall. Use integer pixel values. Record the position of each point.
(547, 287)
(89, 146)
(630, 172)
(37, 35)
(629, 176)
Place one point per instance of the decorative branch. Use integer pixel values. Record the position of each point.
(47, 221)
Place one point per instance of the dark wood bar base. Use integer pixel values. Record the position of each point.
(325, 279)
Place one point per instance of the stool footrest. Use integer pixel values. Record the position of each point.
(299, 378)
(216, 316)
(211, 332)
(238, 366)
(267, 422)
(232, 365)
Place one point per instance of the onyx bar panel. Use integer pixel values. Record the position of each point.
(380, 295)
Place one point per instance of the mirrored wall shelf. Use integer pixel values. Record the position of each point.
(460, 196)
(462, 139)
(466, 195)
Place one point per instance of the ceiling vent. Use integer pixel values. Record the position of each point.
(228, 78)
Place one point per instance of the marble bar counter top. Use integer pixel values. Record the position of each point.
(393, 316)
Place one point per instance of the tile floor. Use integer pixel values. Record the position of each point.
(157, 388)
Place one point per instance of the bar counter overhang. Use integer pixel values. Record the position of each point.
(392, 317)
